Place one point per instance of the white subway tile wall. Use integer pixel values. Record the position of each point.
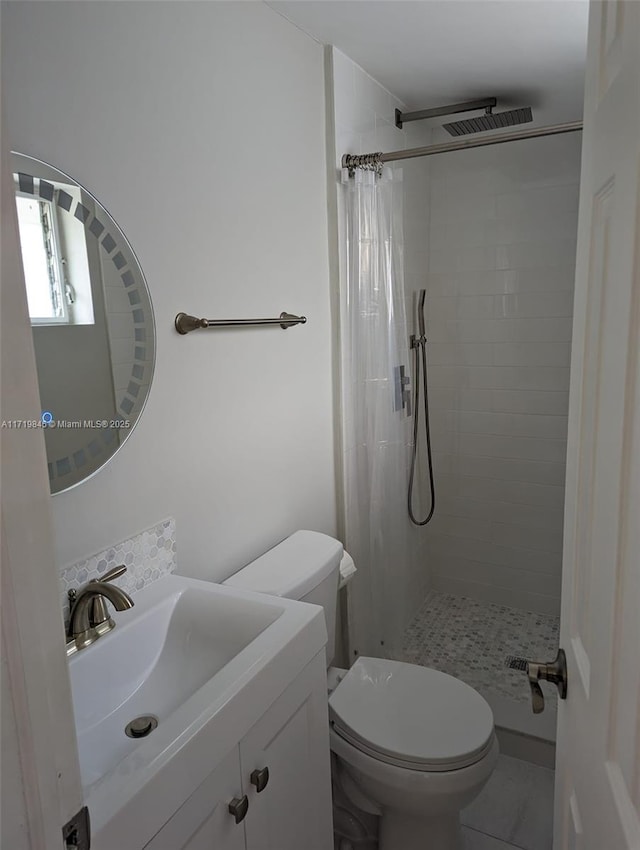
(148, 556)
(502, 233)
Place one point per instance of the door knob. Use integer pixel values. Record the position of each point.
(259, 778)
(553, 671)
(239, 807)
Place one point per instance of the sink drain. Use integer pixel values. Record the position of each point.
(141, 726)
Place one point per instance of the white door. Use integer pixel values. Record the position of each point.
(39, 753)
(598, 765)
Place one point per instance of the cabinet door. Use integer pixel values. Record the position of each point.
(203, 822)
(293, 811)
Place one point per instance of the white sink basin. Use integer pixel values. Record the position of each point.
(152, 663)
(204, 660)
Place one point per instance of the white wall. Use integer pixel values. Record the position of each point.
(200, 127)
(363, 119)
(500, 299)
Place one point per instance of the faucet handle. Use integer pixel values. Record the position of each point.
(116, 572)
(98, 613)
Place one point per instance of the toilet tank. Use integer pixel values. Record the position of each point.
(305, 566)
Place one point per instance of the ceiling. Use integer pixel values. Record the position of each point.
(435, 52)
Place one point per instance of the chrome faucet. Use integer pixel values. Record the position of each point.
(89, 618)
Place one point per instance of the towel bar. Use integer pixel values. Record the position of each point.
(185, 323)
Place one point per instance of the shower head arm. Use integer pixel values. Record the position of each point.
(468, 106)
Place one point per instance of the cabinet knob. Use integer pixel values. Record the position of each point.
(239, 807)
(260, 778)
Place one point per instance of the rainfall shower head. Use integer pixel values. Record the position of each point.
(489, 121)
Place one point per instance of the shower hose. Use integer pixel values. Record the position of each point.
(419, 344)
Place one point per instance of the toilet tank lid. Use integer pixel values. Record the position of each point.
(292, 568)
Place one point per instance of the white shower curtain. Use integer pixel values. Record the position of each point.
(377, 428)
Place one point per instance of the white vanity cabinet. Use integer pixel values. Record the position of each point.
(282, 768)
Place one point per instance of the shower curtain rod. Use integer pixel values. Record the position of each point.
(372, 160)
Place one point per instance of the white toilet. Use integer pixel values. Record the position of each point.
(413, 745)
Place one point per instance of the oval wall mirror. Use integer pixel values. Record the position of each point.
(91, 317)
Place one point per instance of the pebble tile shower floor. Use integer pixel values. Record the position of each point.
(471, 640)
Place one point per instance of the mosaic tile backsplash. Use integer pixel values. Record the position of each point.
(472, 640)
(147, 556)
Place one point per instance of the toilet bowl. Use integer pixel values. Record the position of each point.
(412, 745)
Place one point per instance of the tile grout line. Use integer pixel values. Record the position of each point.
(496, 837)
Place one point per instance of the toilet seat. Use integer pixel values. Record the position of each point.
(411, 716)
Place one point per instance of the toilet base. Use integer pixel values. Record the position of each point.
(418, 810)
(399, 830)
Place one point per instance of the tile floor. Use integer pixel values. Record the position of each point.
(514, 811)
(471, 640)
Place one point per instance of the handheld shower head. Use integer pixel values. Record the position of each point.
(419, 346)
(421, 324)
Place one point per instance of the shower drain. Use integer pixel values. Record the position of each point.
(141, 726)
(515, 662)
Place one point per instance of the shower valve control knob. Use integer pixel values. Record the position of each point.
(553, 671)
